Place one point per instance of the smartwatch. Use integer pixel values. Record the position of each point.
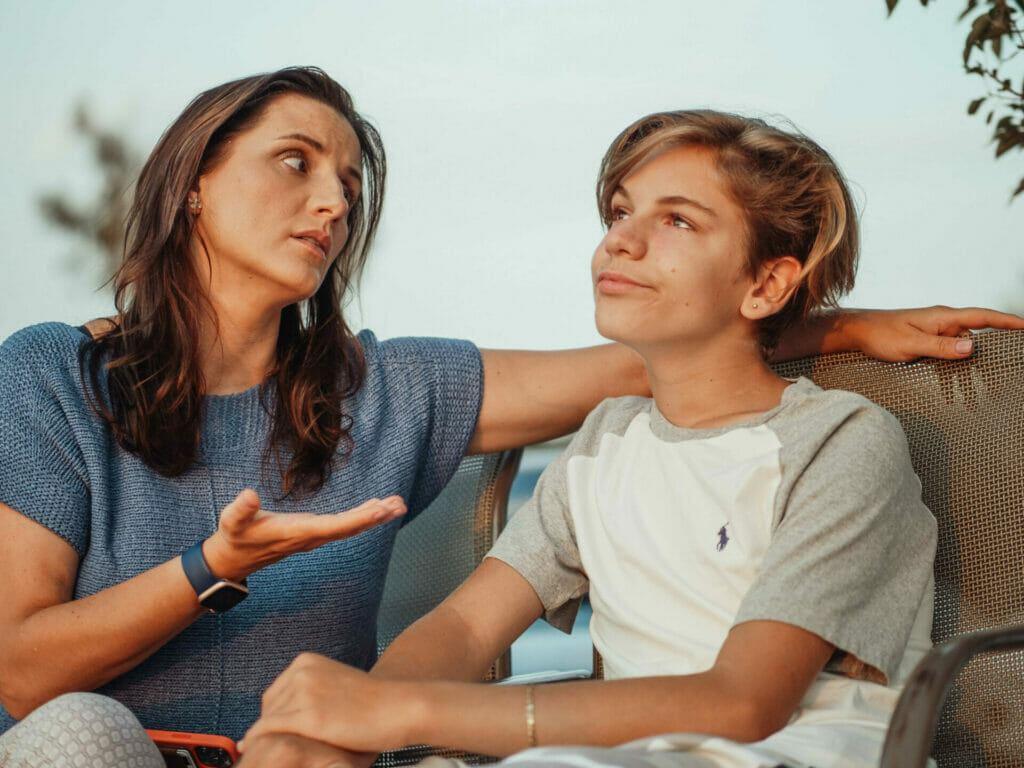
(216, 595)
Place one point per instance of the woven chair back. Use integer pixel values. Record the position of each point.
(964, 422)
(435, 553)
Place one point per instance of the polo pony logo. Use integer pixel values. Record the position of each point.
(723, 539)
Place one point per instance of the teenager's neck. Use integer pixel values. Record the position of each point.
(240, 350)
(707, 385)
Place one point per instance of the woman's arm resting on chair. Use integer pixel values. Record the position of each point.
(534, 396)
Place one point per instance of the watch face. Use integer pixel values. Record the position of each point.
(223, 595)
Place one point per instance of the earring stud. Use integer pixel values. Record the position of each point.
(195, 205)
(754, 305)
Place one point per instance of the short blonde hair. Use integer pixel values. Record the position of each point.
(794, 198)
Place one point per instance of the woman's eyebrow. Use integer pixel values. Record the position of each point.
(304, 139)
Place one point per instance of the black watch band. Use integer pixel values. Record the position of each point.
(214, 594)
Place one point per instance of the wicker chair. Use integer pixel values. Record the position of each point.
(437, 551)
(965, 425)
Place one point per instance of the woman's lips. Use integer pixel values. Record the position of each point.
(313, 246)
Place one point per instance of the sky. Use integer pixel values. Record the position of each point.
(495, 114)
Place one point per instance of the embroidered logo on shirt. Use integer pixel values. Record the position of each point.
(723, 539)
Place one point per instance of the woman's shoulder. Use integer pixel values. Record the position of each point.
(413, 350)
(42, 344)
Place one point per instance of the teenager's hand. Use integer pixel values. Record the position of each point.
(900, 335)
(319, 698)
(288, 751)
(249, 537)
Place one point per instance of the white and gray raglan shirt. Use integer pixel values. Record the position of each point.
(809, 514)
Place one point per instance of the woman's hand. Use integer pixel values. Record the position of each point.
(895, 335)
(325, 700)
(249, 537)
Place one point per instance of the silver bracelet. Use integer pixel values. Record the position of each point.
(531, 721)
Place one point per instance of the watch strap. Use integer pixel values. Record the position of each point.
(198, 572)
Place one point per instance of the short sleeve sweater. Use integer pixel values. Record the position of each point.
(412, 421)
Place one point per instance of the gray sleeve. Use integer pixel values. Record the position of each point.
(540, 540)
(852, 553)
(540, 543)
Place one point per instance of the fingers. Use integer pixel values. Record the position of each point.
(976, 317)
(944, 347)
(286, 751)
(240, 511)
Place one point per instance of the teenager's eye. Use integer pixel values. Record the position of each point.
(681, 223)
(618, 214)
(296, 161)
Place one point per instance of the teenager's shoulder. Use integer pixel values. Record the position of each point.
(815, 415)
(612, 416)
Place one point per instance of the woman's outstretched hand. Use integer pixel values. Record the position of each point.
(250, 537)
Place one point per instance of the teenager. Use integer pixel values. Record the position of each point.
(756, 551)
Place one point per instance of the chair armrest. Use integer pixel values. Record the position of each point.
(912, 729)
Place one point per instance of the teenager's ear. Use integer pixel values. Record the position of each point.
(775, 283)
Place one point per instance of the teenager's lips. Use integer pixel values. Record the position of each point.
(612, 282)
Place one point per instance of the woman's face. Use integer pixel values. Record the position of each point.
(275, 206)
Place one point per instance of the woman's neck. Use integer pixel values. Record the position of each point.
(239, 350)
(703, 386)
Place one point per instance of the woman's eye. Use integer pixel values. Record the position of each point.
(679, 221)
(618, 214)
(297, 162)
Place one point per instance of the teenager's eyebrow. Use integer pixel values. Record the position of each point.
(350, 170)
(680, 200)
(620, 191)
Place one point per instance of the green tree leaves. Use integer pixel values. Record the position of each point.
(996, 28)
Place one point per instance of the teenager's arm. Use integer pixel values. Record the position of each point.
(461, 638)
(761, 673)
(893, 334)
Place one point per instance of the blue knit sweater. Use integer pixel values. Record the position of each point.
(61, 467)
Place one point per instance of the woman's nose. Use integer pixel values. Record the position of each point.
(331, 197)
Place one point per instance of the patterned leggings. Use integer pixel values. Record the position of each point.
(79, 730)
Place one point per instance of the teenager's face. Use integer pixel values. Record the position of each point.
(672, 267)
(275, 207)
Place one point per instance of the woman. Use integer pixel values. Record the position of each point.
(229, 379)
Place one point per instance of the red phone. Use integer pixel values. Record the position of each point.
(194, 750)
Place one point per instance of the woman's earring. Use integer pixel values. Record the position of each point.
(754, 305)
(195, 205)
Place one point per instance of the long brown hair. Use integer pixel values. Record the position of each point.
(149, 365)
(793, 195)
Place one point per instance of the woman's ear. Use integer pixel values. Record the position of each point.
(775, 283)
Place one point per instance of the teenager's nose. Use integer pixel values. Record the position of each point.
(626, 239)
